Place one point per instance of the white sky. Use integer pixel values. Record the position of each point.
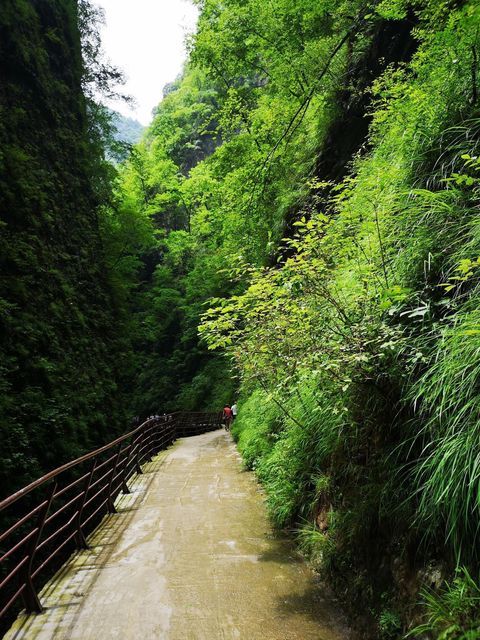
(146, 40)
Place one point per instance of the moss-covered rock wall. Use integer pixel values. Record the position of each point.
(58, 337)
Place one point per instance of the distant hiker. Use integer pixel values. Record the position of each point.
(234, 411)
(227, 417)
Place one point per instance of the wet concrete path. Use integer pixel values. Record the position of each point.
(190, 556)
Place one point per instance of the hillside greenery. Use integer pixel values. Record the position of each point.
(297, 228)
(62, 342)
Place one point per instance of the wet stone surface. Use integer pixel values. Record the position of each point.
(189, 556)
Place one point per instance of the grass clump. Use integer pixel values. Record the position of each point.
(453, 613)
(448, 471)
(315, 543)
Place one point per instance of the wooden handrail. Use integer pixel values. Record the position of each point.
(69, 465)
(50, 517)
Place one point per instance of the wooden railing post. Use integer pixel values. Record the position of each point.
(110, 505)
(30, 596)
(80, 539)
(125, 488)
(138, 468)
(148, 456)
(158, 436)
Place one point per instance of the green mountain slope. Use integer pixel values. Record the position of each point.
(127, 129)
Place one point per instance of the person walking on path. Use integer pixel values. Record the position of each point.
(234, 411)
(227, 417)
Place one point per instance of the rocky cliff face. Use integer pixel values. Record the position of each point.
(56, 338)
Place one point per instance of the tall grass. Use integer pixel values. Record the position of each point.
(288, 449)
(453, 613)
(256, 427)
(316, 544)
(436, 229)
(448, 399)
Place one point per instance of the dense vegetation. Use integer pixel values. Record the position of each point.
(298, 225)
(315, 174)
(60, 342)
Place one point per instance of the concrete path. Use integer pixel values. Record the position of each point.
(190, 556)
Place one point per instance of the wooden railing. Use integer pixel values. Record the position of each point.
(45, 521)
(193, 423)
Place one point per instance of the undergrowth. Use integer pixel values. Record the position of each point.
(453, 613)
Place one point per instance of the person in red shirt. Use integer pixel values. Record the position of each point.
(227, 417)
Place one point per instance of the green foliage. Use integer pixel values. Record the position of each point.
(389, 624)
(448, 399)
(256, 427)
(316, 544)
(366, 310)
(62, 346)
(302, 211)
(288, 446)
(453, 613)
